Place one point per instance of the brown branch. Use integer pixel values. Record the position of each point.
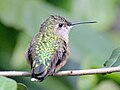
(66, 73)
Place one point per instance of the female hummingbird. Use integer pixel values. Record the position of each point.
(48, 51)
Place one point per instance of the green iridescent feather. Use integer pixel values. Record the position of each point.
(44, 48)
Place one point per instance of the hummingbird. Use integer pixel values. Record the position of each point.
(48, 50)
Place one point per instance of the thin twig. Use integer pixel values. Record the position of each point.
(66, 73)
(14, 73)
(88, 71)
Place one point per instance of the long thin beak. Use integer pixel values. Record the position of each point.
(85, 22)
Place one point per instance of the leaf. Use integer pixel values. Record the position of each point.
(21, 86)
(108, 85)
(20, 49)
(114, 59)
(87, 9)
(89, 47)
(7, 84)
(87, 82)
(26, 15)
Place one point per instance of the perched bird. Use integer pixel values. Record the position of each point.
(48, 51)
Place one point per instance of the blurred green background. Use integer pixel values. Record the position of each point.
(90, 45)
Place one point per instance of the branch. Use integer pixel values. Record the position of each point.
(66, 73)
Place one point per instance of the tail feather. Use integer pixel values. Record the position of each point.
(39, 77)
(40, 73)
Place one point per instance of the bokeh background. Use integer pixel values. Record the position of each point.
(90, 44)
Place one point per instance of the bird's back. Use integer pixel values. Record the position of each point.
(45, 52)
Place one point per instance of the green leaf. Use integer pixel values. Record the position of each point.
(114, 59)
(21, 86)
(103, 6)
(88, 47)
(19, 51)
(108, 85)
(7, 84)
(87, 82)
(26, 15)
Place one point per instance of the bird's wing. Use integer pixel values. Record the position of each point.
(61, 55)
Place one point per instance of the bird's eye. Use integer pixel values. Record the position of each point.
(60, 25)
